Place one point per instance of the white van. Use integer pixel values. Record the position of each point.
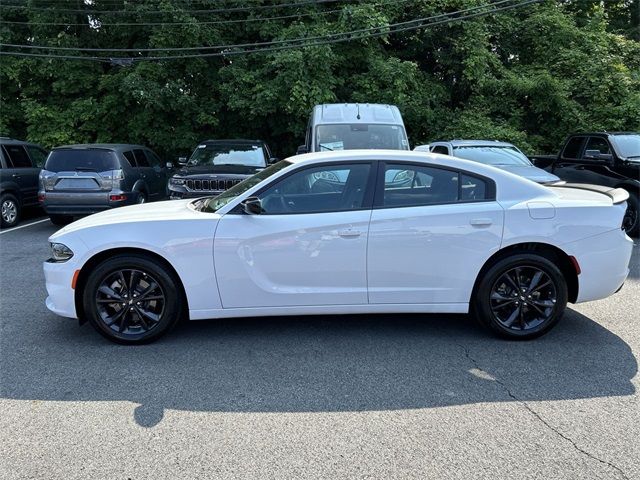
(349, 126)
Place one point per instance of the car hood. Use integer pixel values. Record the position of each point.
(530, 172)
(213, 170)
(148, 212)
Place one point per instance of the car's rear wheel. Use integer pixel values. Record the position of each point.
(10, 211)
(61, 220)
(631, 221)
(142, 198)
(131, 299)
(521, 297)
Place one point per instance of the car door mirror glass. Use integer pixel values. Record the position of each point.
(182, 160)
(252, 206)
(169, 165)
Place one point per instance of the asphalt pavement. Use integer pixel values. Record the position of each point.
(331, 397)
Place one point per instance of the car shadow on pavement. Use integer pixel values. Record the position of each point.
(318, 364)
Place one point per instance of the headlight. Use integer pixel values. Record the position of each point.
(60, 252)
(176, 181)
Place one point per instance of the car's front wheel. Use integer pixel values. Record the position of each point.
(10, 215)
(521, 297)
(131, 299)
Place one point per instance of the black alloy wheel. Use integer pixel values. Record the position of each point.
(132, 299)
(522, 296)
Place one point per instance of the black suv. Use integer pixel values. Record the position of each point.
(611, 159)
(20, 164)
(217, 165)
(84, 179)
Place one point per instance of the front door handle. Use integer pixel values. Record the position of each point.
(349, 233)
(480, 222)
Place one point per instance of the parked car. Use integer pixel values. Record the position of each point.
(611, 159)
(350, 126)
(85, 179)
(217, 165)
(503, 155)
(20, 164)
(346, 232)
(422, 148)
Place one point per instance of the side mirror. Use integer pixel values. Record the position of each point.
(302, 149)
(596, 155)
(169, 165)
(273, 160)
(252, 206)
(182, 160)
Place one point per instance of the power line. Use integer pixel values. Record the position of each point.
(254, 44)
(292, 44)
(164, 12)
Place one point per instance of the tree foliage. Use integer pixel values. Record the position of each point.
(529, 75)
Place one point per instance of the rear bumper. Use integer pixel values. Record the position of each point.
(604, 263)
(85, 203)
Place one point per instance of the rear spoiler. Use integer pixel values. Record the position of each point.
(618, 195)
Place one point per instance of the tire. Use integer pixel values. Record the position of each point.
(142, 198)
(60, 220)
(537, 309)
(631, 222)
(10, 210)
(127, 320)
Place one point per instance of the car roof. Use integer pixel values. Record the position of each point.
(582, 134)
(475, 143)
(116, 147)
(13, 141)
(233, 141)
(336, 113)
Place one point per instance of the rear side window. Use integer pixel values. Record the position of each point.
(141, 159)
(413, 185)
(573, 147)
(38, 155)
(69, 160)
(130, 158)
(16, 156)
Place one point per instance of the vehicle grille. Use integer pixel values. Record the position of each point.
(212, 185)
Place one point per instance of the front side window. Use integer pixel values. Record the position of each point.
(17, 156)
(596, 146)
(360, 135)
(440, 149)
(413, 185)
(152, 158)
(248, 155)
(328, 188)
(141, 159)
(627, 145)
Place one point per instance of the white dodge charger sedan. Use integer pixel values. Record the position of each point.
(367, 231)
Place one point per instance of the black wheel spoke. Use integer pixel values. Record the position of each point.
(539, 287)
(130, 302)
(512, 318)
(543, 303)
(535, 280)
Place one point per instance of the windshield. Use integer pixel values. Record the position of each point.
(627, 146)
(213, 204)
(81, 160)
(360, 135)
(492, 155)
(228, 154)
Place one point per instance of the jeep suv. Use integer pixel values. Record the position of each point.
(20, 164)
(84, 179)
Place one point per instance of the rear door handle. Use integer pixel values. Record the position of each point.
(349, 233)
(480, 222)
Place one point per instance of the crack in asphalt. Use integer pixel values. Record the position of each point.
(542, 420)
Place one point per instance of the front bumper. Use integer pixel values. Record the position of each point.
(58, 278)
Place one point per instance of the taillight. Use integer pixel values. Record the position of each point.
(41, 197)
(117, 198)
(118, 175)
(47, 180)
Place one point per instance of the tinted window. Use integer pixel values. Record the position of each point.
(68, 160)
(440, 149)
(16, 156)
(152, 158)
(597, 144)
(472, 188)
(130, 158)
(329, 188)
(572, 149)
(412, 185)
(360, 135)
(141, 159)
(38, 155)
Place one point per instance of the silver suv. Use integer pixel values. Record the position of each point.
(83, 179)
